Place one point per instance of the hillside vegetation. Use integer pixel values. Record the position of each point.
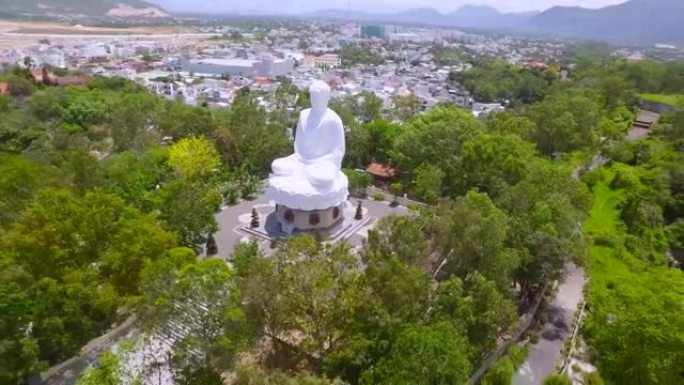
(108, 196)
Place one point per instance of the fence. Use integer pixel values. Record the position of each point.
(67, 371)
(525, 323)
(573, 339)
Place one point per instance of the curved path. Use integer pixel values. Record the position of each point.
(546, 354)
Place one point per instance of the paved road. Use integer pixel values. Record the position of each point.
(546, 354)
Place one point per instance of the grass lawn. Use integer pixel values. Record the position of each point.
(604, 230)
(604, 217)
(634, 322)
(673, 100)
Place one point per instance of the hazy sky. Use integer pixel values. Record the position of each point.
(298, 6)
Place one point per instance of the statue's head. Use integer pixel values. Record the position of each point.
(320, 95)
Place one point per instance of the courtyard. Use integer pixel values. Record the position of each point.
(234, 221)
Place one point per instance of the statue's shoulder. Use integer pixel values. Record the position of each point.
(332, 115)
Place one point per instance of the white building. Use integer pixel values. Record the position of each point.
(54, 59)
(95, 52)
(239, 67)
(326, 61)
(481, 109)
(410, 37)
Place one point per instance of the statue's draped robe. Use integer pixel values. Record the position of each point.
(312, 177)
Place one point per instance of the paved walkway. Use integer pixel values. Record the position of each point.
(546, 354)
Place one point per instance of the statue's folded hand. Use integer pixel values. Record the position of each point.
(321, 174)
(286, 166)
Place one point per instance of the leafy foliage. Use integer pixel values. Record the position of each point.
(437, 357)
(193, 158)
(493, 81)
(354, 54)
(101, 184)
(631, 301)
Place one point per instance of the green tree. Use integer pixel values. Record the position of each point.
(249, 138)
(258, 376)
(557, 379)
(130, 117)
(472, 236)
(358, 182)
(432, 354)
(401, 237)
(405, 107)
(511, 123)
(635, 308)
(347, 108)
(565, 121)
(20, 352)
(478, 308)
(303, 289)
(388, 295)
(491, 162)
(370, 107)
(136, 177)
(355, 54)
(435, 138)
(194, 158)
(381, 135)
(427, 183)
(501, 373)
(495, 81)
(57, 233)
(189, 209)
(179, 120)
(204, 298)
(108, 372)
(20, 178)
(544, 210)
(593, 378)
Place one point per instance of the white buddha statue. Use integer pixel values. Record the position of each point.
(312, 177)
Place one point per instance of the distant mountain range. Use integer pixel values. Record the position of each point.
(479, 16)
(635, 21)
(119, 8)
(468, 16)
(654, 21)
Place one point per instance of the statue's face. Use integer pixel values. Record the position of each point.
(320, 95)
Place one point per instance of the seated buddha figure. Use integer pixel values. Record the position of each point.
(312, 177)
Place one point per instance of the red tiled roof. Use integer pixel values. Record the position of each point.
(37, 74)
(380, 170)
(4, 88)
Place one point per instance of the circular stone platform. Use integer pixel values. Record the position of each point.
(297, 191)
(302, 220)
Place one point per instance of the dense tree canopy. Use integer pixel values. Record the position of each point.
(494, 81)
(355, 54)
(108, 193)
